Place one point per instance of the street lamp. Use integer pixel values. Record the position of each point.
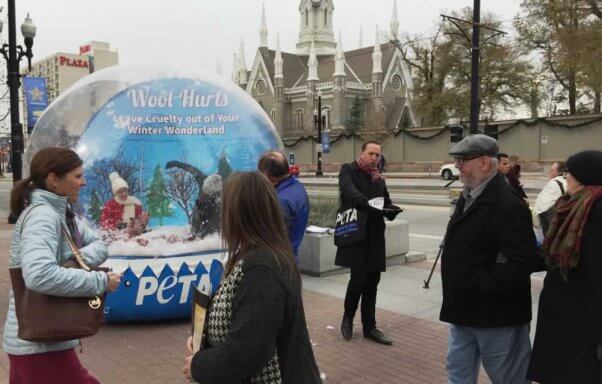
(13, 54)
(318, 124)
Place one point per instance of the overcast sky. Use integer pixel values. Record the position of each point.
(192, 34)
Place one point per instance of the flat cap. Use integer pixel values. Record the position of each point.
(475, 146)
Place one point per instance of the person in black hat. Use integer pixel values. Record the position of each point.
(567, 341)
(487, 258)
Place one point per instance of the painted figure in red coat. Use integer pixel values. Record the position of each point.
(123, 211)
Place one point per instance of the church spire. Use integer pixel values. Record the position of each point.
(377, 56)
(361, 40)
(395, 22)
(312, 64)
(278, 62)
(235, 67)
(339, 66)
(243, 63)
(263, 31)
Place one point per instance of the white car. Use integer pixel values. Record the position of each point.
(449, 171)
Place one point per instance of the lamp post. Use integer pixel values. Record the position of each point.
(318, 123)
(13, 54)
(474, 77)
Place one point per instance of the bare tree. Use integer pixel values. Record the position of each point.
(183, 189)
(127, 169)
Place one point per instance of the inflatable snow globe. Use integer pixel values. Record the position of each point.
(157, 148)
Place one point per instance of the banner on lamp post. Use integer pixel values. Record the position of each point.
(36, 99)
(326, 142)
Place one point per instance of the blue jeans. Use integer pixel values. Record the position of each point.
(504, 351)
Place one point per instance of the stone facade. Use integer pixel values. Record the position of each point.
(288, 85)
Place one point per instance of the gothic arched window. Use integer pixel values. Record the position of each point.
(306, 18)
(299, 119)
(326, 117)
(406, 119)
(326, 17)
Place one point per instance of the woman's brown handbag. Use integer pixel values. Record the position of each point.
(49, 319)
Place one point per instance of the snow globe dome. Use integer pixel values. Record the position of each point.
(157, 146)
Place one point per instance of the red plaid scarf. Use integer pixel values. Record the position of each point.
(372, 171)
(562, 245)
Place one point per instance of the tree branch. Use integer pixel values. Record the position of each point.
(406, 59)
(468, 39)
(595, 8)
(554, 72)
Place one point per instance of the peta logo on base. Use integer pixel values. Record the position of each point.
(164, 294)
(164, 291)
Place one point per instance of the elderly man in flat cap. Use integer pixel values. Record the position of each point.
(488, 252)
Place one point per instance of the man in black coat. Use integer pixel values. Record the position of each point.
(489, 250)
(362, 186)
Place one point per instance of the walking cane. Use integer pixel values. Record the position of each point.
(600, 358)
(428, 280)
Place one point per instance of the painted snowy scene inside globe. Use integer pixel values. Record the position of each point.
(157, 149)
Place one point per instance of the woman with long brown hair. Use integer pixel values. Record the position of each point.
(42, 203)
(256, 330)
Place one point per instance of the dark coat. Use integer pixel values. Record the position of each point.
(569, 322)
(488, 255)
(267, 316)
(513, 178)
(356, 188)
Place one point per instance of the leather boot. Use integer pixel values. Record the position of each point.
(347, 328)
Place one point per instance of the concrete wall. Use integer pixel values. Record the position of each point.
(540, 142)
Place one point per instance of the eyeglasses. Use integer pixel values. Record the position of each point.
(461, 161)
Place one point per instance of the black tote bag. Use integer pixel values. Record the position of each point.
(350, 227)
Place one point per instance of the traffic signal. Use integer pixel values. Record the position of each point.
(456, 133)
(491, 130)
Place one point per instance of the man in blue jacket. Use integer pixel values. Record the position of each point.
(291, 193)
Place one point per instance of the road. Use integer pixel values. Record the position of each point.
(429, 192)
(5, 187)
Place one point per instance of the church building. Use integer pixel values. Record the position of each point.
(373, 82)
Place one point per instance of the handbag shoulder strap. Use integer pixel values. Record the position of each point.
(560, 186)
(76, 252)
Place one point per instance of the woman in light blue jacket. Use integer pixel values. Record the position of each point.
(42, 203)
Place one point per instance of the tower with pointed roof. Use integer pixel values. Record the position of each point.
(377, 74)
(279, 116)
(339, 88)
(286, 84)
(263, 31)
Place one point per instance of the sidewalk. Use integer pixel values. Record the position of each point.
(153, 353)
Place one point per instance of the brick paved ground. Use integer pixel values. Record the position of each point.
(152, 353)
